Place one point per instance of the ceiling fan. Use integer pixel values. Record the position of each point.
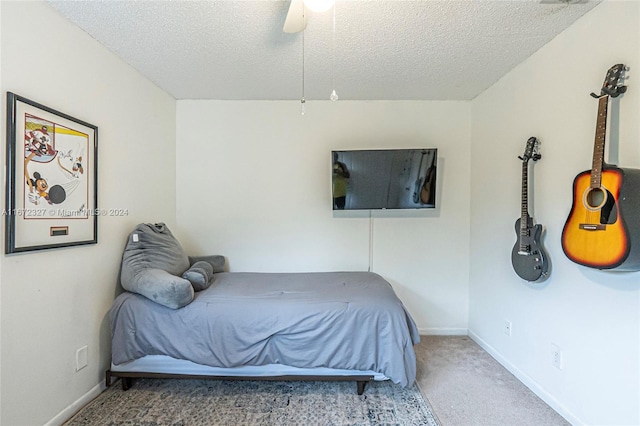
(299, 12)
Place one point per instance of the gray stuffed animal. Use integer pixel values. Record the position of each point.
(155, 266)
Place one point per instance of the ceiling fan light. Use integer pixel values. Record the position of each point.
(319, 5)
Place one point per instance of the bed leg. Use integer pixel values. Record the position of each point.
(126, 383)
(107, 378)
(361, 385)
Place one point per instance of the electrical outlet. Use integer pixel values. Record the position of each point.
(507, 327)
(556, 356)
(82, 359)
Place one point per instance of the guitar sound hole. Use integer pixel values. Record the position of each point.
(602, 201)
(595, 198)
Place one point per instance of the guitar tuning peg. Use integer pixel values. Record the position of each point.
(626, 68)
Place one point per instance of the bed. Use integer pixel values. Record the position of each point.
(269, 326)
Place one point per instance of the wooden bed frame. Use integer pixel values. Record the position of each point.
(127, 378)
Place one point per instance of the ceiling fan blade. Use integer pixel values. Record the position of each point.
(297, 17)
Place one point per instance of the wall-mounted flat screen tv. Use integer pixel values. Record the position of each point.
(384, 179)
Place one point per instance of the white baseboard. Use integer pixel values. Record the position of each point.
(441, 331)
(527, 381)
(71, 409)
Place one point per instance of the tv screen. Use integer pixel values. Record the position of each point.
(384, 179)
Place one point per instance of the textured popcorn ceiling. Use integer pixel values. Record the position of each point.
(429, 49)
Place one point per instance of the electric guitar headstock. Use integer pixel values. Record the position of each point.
(531, 150)
(612, 85)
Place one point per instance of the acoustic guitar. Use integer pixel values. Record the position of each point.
(528, 257)
(423, 187)
(603, 227)
(426, 192)
(418, 183)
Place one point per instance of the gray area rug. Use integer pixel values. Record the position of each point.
(206, 402)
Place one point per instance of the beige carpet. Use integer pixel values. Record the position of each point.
(466, 387)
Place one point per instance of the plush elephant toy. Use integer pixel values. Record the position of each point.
(155, 266)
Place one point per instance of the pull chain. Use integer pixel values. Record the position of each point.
(302, 101)
(334, 95)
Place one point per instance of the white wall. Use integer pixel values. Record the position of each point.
(253, 184)
(56, 301)
(593, 316)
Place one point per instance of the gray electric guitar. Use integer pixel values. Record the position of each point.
(528, 257)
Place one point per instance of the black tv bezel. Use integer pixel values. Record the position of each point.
(418, 207)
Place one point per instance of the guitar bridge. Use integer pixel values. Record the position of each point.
(592, 226)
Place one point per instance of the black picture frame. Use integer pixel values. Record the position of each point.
(51, 177)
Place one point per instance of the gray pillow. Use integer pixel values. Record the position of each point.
(216, 261)
(152, 264)
(199, 275)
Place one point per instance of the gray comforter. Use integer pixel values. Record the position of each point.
(342, 320)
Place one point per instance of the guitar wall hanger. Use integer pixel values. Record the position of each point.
(534, 157)
(612, 93)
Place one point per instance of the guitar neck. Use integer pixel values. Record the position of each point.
(598, 146)
(524, 216)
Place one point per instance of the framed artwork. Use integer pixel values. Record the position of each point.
(52, 188)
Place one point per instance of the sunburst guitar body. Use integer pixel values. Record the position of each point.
(603, 227)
